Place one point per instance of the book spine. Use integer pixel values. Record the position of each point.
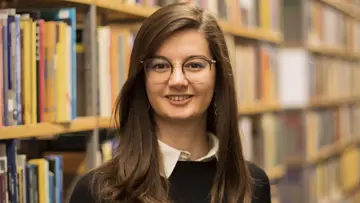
(18, 70)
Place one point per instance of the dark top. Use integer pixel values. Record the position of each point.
(190, 182)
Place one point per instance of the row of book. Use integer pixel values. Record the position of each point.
(263, 14)
(353, 3)
(261, 70)
(333, 77)
(334, 180)
(271, 139)
(37, 65)
(60, 94)
(331, 27)
(265, 73)
(23, 180)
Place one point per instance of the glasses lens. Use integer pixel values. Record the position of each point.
(196, 69)
(157, 69)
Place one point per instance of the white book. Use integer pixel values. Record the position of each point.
(245, 128)
(294, 77)
(104, 71)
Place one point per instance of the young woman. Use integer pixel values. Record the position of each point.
(178, 130)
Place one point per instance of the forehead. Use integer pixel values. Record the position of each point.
(183, 44)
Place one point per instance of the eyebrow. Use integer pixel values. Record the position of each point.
(191, 56)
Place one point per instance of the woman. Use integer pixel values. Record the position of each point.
(178, 134)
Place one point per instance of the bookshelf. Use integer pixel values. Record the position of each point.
(325, 45)
(46, 129)
(344, 7)
(119, 10)
(297, 124)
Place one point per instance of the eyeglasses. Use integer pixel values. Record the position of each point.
(195, 68)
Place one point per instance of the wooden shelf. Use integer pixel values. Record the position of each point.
(251, 109)
(115, 11)
(251, 33)
(328, 102)
(333, 51)
(331, 150)
(325, 153)
(344, 7)
(46, 129)
(258, 108)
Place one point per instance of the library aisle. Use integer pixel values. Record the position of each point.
(297, 74)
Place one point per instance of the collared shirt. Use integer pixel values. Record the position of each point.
(171, 155)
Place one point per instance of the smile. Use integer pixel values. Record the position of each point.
(179, 97)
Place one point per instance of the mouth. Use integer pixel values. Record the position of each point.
(177, 98)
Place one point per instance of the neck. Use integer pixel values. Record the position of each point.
(189, 135)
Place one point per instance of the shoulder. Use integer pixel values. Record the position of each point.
(261, 184)
(82, 192)
(257, 173)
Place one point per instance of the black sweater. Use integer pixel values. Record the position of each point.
(190, 182)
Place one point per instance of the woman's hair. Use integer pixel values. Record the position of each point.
(133, 174)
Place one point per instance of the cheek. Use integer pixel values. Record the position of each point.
(208, 89)
(154, 93)
(204, 93)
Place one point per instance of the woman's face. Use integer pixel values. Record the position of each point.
(180, 79)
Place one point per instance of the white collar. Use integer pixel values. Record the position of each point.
(171, 155)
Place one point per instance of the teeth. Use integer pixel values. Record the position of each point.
(178, 98)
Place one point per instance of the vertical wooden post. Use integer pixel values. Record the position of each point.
(93, 141)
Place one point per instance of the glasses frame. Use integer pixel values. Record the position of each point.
(210, 61)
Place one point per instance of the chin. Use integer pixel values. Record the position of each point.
(186, 112)
(179, 115)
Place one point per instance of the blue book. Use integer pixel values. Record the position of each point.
(51, 187)
(18, 71)
(12, 109)
(55, 166)
(4, 31)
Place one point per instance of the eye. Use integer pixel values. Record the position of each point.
(158, 65)
(195, 64)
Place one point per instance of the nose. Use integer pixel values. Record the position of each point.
(177, 78)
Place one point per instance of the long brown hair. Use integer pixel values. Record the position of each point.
(133, 174)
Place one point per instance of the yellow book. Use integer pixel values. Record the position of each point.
(106, 151)
(61, 74)
(43, 180)
(114, 66)
(21, 166)
(20, 184)
(269, 140)
(33, 74)
(351, 168)
(26, 27)
(127, 37)
(319, 181)
(265, 17)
